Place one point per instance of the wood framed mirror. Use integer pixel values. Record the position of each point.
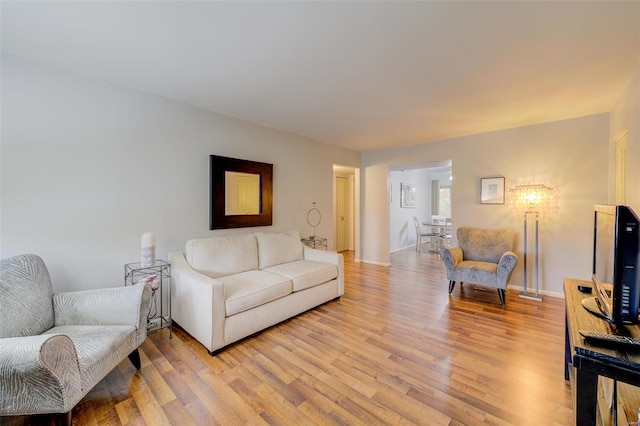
(241, 193)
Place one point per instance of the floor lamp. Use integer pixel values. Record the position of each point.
(525, 293)
(534, 200)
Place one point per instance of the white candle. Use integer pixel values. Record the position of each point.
(148, 239)
(148, 249)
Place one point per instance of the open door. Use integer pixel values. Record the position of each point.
(618, 169)
(345, 208)
(342, 213)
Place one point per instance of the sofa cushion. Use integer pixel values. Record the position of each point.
(274, 249)
(253, 288)
(220, 256)
(306, 273)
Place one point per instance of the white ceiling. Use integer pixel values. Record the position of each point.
(364, 75)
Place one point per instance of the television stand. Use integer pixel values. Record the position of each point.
(587, 366)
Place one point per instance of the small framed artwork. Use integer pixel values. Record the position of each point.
(407, 195)
(492, 190)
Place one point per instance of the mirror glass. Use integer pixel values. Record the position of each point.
(241, 193)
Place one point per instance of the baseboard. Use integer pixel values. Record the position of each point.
(542, 292)
(413, 246)
(371, 262)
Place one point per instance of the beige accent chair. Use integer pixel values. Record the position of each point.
(484, 257)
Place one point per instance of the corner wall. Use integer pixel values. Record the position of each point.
(625, 116)
(87, 167)
(569, 155)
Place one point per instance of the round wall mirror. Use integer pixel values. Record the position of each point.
(314, 217)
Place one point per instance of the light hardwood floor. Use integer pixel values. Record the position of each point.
(395, 349)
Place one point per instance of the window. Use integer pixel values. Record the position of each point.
(444, 201)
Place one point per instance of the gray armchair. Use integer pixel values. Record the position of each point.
(484, 256)
(54, 348)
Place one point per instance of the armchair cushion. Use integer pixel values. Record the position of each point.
(25, 313)
(472, 271)
(486, 245)
(97, 357)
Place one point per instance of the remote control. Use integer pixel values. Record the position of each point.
(610, 338)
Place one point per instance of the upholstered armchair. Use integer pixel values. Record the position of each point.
(484, 257)
(54, 348)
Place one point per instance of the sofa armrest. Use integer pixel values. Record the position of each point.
(506, 265)
(39, 374)
(451, 257)
(197, 302)
(328, 257)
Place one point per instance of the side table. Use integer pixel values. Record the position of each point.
(135, 273)
(315, 242)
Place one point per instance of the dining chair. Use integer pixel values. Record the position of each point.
(445, 234)
(420, 233)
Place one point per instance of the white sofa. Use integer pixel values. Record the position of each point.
(226, 288)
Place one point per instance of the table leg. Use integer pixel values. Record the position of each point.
(586, 397)
(567, 350)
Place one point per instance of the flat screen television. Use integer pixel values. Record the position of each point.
(616, 259)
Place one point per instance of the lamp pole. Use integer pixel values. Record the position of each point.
(525, 294)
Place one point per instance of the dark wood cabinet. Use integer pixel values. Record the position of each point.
(594, 371)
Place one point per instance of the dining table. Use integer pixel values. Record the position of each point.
(443, 231)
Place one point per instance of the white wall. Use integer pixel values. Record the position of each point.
(87, 167)
(374, 210)
(569, 155)
(402, 232)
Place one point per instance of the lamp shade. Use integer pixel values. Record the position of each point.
(533, 199)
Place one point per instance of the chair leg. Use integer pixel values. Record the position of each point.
(501, 294)
(134, 357)
(452, 284)
(62, 419)
(418, 241)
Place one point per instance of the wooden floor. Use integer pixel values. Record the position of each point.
(395, 349)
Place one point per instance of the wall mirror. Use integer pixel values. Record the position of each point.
(241, 193)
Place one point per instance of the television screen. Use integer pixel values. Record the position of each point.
(604, 257)
(615, 264)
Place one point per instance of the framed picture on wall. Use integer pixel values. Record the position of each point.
(407, 195)
(492, 190)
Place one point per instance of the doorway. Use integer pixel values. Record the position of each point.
(618, 169)
(345, 207)
(433, 188)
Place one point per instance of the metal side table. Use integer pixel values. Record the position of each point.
(159, 316)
